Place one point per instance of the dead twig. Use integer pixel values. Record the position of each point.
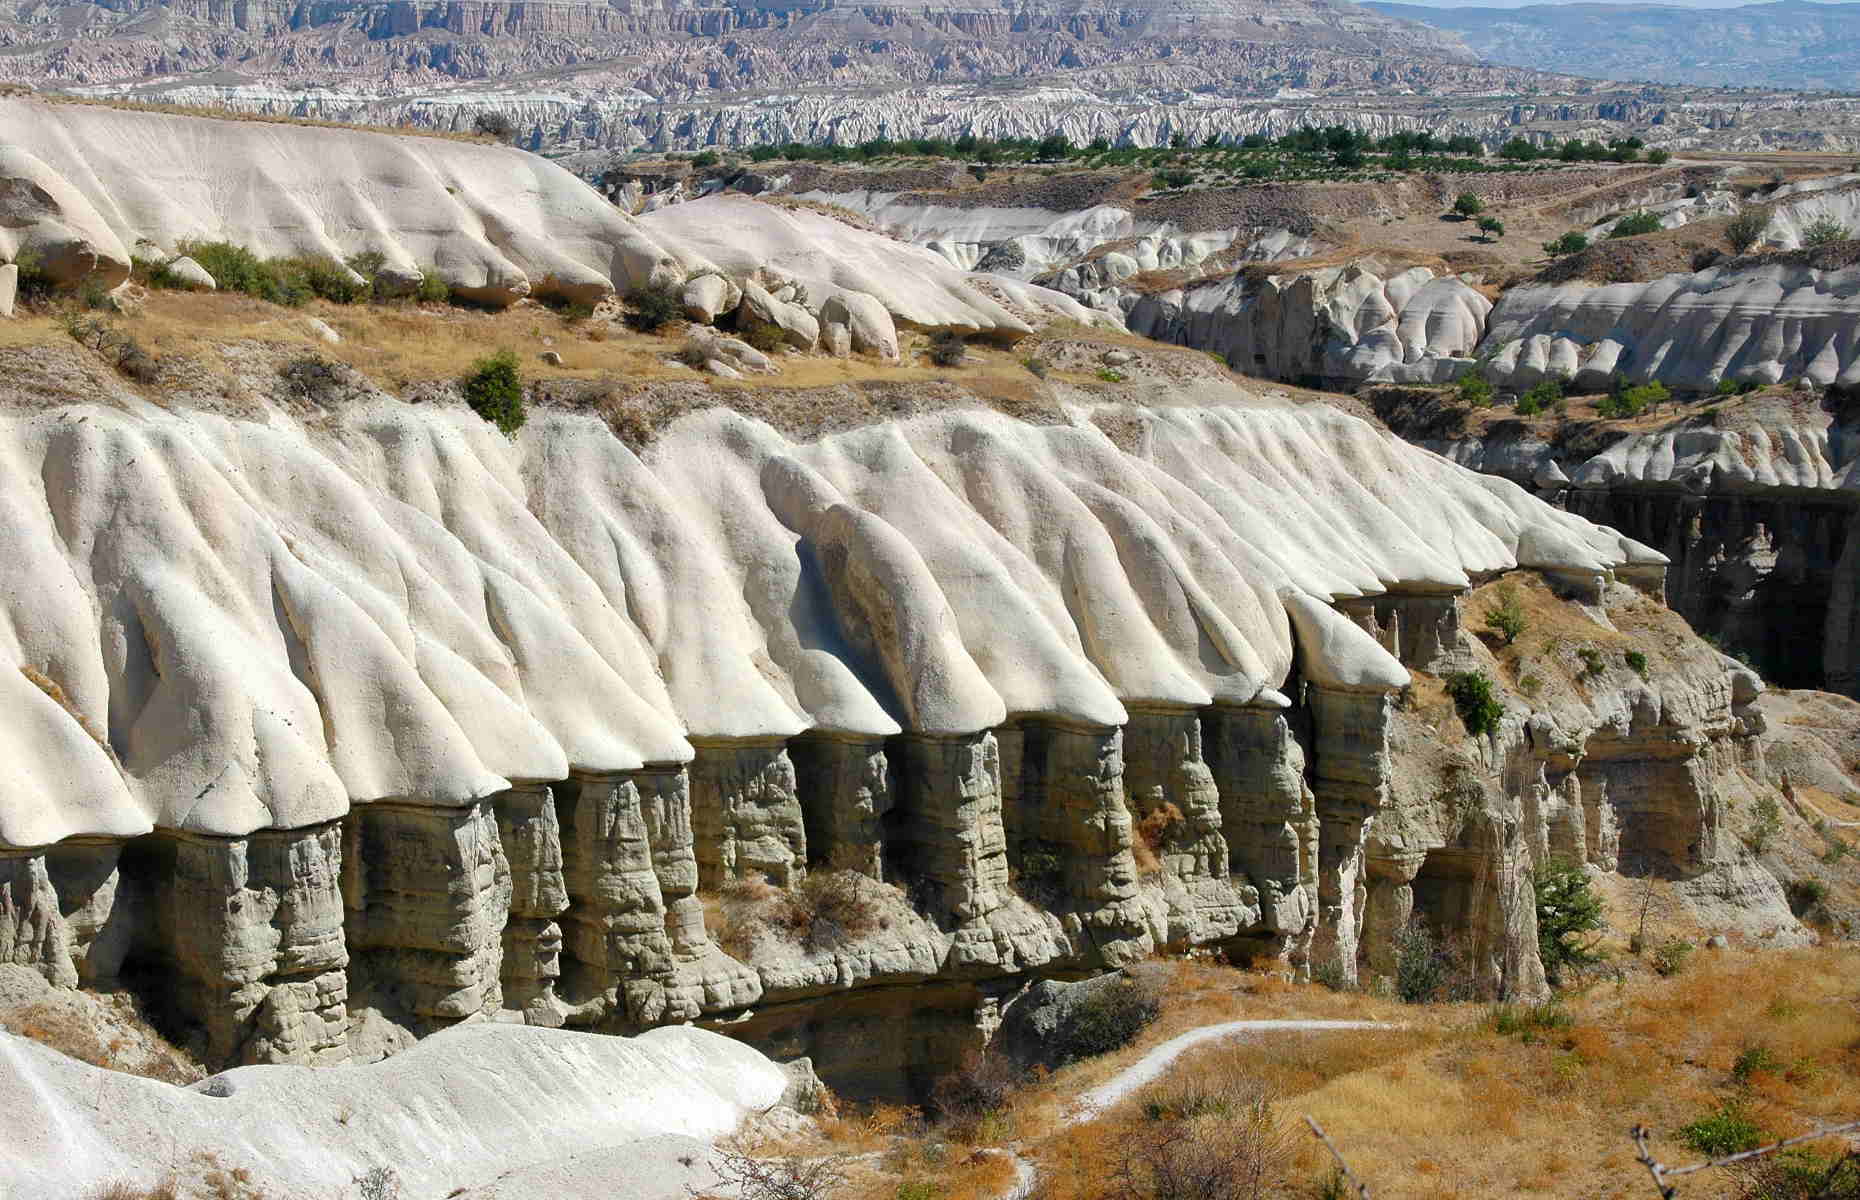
(1362, 1189)
(1661, 1172)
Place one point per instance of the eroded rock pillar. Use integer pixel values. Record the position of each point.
(252, 932)
(1350, 784)
(1072, 801)
(844, 784)
(1173, 799)
(1268, 820)
(531, 836)
(428, 893)
(944, 840)
(746, 813)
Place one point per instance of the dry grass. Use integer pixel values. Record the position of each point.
(1447, 1107)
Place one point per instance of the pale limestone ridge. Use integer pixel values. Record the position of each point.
(464, 1109)
(413, 608)
(87, 188)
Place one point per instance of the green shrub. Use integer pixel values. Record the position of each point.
(494, 389)
(1836, 851)
(1107, 375)
(948, 348)
(1108, 1018)
(1475, 391)
(1035, 366)
(236, 269)
(1754, 1059)
(1530, 685)
(650, 309)
(1529, 1020)
(1472, 695)
(1805, 895)
(1467, 204)
(1824, 231)
(494, 125)
(1743, 230)
(1635, 224)
(1669, 957)
(1767, 825)
(1422, 969)
(1330, 975)
(1568, 910)
(154, 273)
(1506, 619)
(1492, 227)
(765, 336)
(326, 279)
(1172, 179)
(1636, 662)
(433, 288)
(1659, 158)
(1632, 401)
(1541, 396)
(1727, 1131)
(1592, 665)
(705, 158)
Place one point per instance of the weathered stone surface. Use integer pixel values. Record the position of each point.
(9, 288)
(428, 892)
(251, 933)
(800, 327)
(1268, 820)
(745, 813)
(944, 832)
(528, 829)
(845, 789)
(1173, 799)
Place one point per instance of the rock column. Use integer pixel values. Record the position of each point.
(745, 812)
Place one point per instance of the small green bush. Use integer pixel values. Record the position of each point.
(1107, 1019)
(1592, 665)
(1035, 366)
(1172, 179)
(432, 289)
(1422, 967)
(494, 389)
(1330, 975)
(765, 336)
(1632, 401)
(1107, 375)
(705, 158)
(1636, 662)
(1506, 618)
(1824, 231)
(1472, 695)
(1529, 1021)
(1670, 957)
(1530, 685)
(1743, 230)
(1659, 158)
(1635, 224)
(1754, 1059)
(1568, 910)
(1492, 227)
(1727, 1131)
(1805, 895)
(1767, 825)
(948, 348)
(1569, 243)
(236, 269)
(650, 309)
(1475, 391)
(1541, 396)
(1467, 204)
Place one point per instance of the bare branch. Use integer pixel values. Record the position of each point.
(1362, 1189)
(1661, 1172)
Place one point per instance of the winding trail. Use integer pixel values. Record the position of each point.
(1146, 1069)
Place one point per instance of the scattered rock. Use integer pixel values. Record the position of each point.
(1717, 941)
(322, 330)
(867, 321)
(800, 326)
(551, 357)
(708, 297)
(190, 274)
(1117, 358)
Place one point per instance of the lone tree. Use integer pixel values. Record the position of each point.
(1468, 205)
(1492, 227)
(494, 124)
(1567, 909)
(1744, 229)
(1507, 619)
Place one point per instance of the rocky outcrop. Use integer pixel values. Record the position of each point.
(480, 727)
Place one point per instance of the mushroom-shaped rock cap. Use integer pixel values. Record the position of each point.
(1336, 653)
(1550, 475)
(1746, 685)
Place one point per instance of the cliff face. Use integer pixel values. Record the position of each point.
(395, 716)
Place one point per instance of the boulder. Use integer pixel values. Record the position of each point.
(187, 273)
(551, 358)
(322, 330)
(800, 327)
(708, 297)
(867, 322)
(708, 347)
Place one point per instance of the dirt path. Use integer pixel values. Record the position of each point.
(1148, 1068)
